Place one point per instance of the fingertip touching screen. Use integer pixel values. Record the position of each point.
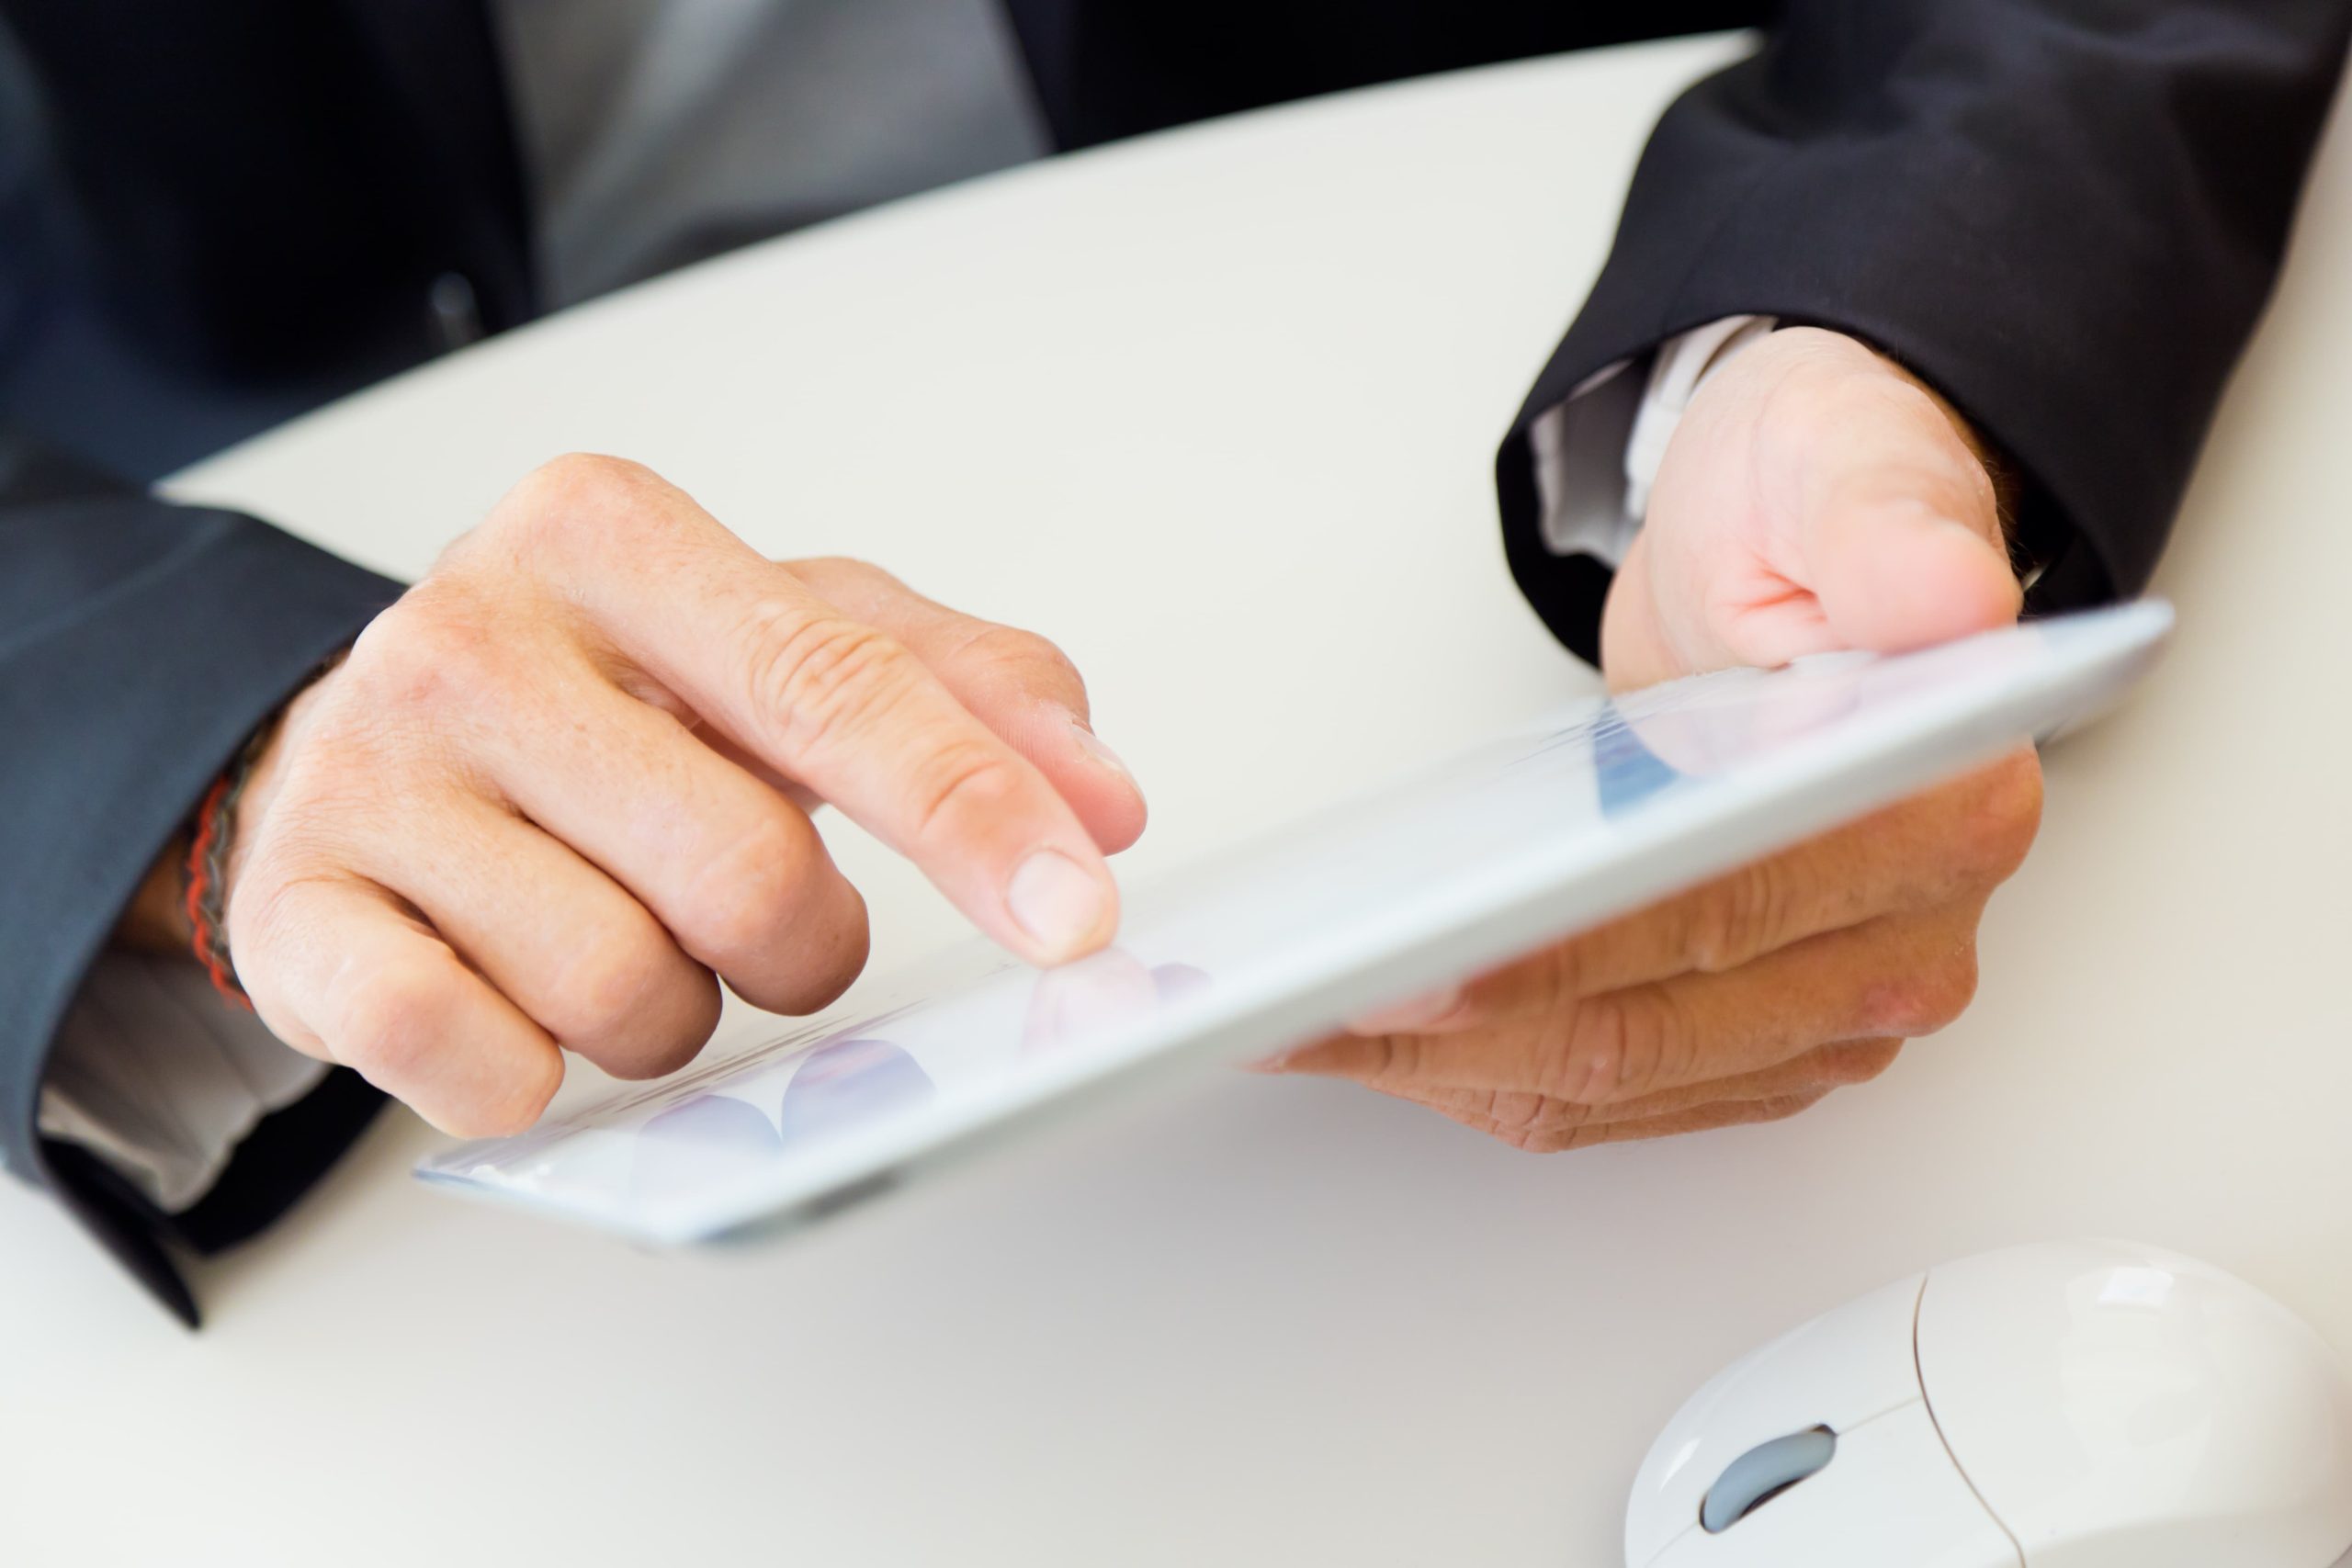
(1589, 812)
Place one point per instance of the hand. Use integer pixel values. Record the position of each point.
(1747, 1000)
(557, 791)
(1814, 497)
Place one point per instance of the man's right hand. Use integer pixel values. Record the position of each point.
(560, 790)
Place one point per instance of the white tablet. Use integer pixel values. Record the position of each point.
(1595, 810)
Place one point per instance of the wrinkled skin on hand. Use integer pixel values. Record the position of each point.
(1815, 497)
(560, 789)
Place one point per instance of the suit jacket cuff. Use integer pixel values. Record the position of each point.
(140, 642)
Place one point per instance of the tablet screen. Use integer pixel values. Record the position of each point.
(1591, 811)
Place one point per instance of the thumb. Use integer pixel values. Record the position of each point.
(1901, 530)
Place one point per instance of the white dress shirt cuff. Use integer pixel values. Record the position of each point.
(1597, 453)
(158, 1076)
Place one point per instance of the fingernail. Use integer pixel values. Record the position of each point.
(1403, 1017)
(1092, 744)
(1056, 901)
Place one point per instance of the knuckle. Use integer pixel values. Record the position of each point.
(264, 915)
(2004, 817)
(674, 1018)
(565, 496)
(743, 902)
(389, 1021)
(825, 958)
(959, 783)
(432, 649)
(614, 975)
(261, 905)
(575, 478)
(1022, 655)
(1739, 918)
(1660, 1041)
(386, 646)
(1929, 996)
(1387, 1059)
(770, 918)
(1623, 1045)
(1589, 1063)
(821, 677)
(1548, 984)
(333, 806)
(384, 1019)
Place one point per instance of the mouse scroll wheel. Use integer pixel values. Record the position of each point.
(1762, 1473)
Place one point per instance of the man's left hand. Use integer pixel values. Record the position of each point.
(1815, 497)
(1747, 1000)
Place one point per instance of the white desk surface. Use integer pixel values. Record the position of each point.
(1216, 410)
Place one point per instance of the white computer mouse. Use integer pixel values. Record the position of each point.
(2091, 1404)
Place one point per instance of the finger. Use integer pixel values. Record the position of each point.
(1825, 1068)
(1700, 1119)
(837, 704)
(557, 937)
(1101, 992)
(1016, 683)
(736, 872)
(1899, 976)
(1899, 525)
(1946, 846)
(339, 969)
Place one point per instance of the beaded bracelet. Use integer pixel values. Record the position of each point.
(204, 874)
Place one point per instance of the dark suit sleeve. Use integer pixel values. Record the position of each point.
(140, 642)
(2064, 214)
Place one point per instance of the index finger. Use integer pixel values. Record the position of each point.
(837, 705)
(1014, 681)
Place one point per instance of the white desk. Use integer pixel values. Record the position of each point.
(1216, 410)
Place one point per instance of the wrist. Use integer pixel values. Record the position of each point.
(154, 920)
(157, 918)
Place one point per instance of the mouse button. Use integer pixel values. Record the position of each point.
(2103, 1393)
(1890, 1495)
(1762, 1473)
(1851, 1363)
